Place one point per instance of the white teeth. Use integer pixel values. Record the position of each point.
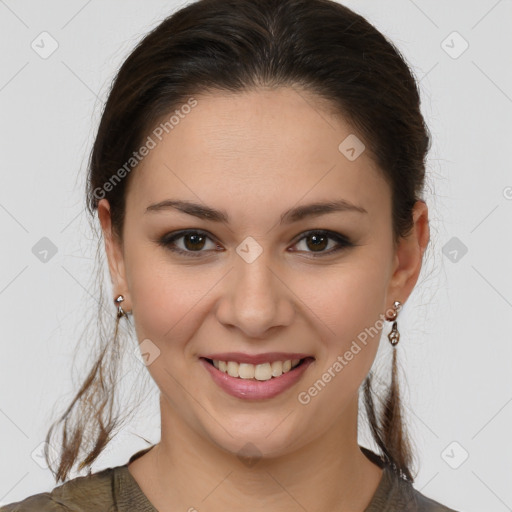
(246, 371)
(233, 369)
(277, 368)
(264, 371)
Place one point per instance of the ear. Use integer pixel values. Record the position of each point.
(409, 256)
(114, 251)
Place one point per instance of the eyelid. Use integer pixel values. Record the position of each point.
(343, 241)
(169, 238)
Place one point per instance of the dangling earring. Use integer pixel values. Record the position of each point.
(120, 311)
(394, 335)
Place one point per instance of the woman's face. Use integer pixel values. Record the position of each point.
(261, 280)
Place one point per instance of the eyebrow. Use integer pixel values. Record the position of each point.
(292, 215)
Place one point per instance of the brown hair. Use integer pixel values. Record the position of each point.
(236, 45)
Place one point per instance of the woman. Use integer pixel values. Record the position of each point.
(258, 176)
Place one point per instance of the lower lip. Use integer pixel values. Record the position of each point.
(256, 389)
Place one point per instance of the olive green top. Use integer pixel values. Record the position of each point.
(115, 490)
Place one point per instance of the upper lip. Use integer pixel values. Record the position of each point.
(268, 357)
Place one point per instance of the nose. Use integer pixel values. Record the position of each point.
(255, 298)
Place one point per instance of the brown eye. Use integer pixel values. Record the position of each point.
(192, 245)
(318, 241)
(194, 241)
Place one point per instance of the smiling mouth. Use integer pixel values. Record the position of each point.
(258, 372)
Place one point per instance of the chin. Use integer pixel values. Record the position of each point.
(260, 440)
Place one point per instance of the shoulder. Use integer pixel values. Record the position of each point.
(395, 493)
(425, 504)
(407, 498)
(42, 502)
(93, 492)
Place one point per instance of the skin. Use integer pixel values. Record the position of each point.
(256, 154)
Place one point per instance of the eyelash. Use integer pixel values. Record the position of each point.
(167, 241)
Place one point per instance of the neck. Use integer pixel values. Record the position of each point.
(187, 471)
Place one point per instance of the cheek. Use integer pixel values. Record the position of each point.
(346, 298)
(163, 294)
(348, 304)
(348, 309)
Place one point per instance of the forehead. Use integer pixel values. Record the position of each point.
(254, 150)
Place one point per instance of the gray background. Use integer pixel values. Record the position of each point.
(455, 344)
